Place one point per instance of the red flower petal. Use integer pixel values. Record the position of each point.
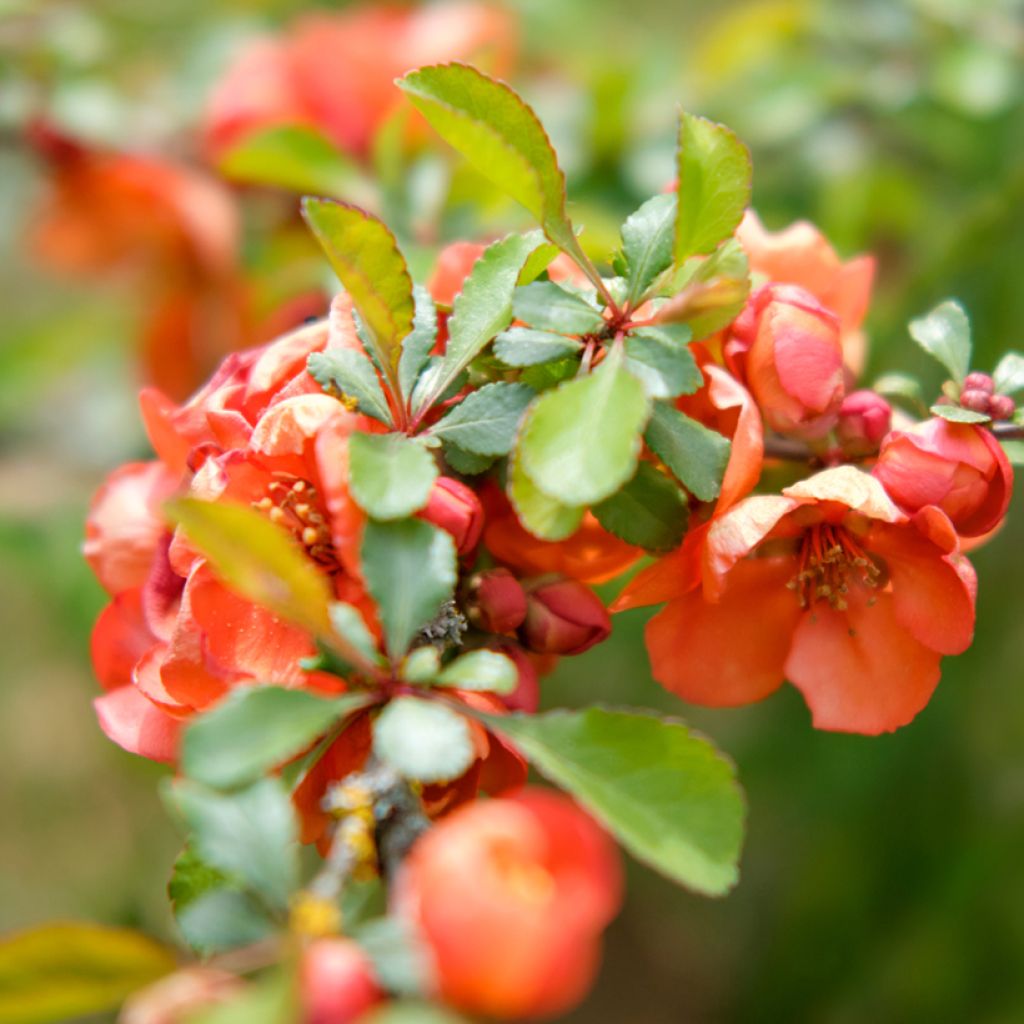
(138, 726)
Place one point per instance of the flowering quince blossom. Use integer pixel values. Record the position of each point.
(511, 896)
(829, 585)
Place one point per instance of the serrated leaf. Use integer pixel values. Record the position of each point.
(540, 515)
(650, 511)
(351, 374)
(1009, 374)
(223, 919)
(707, 293)
(425, 392)
(669, 797)
(410, 571)
(664, 365)
(467, 463)
(417, 345)
(537, 262)
(696, 455)
(579, 443)
(648, 236)
(255, 729)
(67, 969)
(422, 740)
(957, 414)
(550, 307)
(480, 670)
(249, 834)
(256, 558)
(945, 334)
(714, 172)
(390, 475)
(485, 421)
(523, 346)
(366, 258)
(548, 375)
(498, 133)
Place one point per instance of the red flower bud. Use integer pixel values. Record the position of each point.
(864, 420)
(786, 347)
(563, 617)
(960, 467)
(1001, 407)
(455, 508)
(511, 896)
(336, 983)
(975, 399)
(526, 695)
(498, 601)
(979, 382)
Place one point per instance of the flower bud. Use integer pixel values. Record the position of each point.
(336, 982)
(786, 347)
(1001, 407)
(975, 399)
(456, 509)
(497, 601)
(511, 895)
(864, 420)
(526, 695)
(979, 382)
(563, 617)
(959, 467)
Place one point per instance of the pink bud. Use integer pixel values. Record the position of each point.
(1001, 407)
(336, 982)
(975, 399)
(864, 419)
(563, 617)
(498, 601)
(979, 382)
(455, 508)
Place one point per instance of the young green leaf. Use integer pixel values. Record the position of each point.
(647, 244)
(579, 443)
(258, 559)
(223, 919)
(421, 665)
(1009, 374)
(957, 414)
(901, 385)
(365, 256)
(409, 567)
(945, 334)
(498, 133)
(249, 834)
(390, 475)
(707, 293)
(467, 463)
(423, 741)
(523, 346)
(714, 185)
(348, 373)
(696, 455)
(481, 670)
(256, 728)
(550, 307)
(665, 366)
(417, 345)
(485, 421)
(545, 376)
(650, 511)
(667, 795)
(542, 516)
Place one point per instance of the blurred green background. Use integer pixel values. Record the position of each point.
(883, 878)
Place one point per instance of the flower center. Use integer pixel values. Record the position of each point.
(294, 504)
(829, 561)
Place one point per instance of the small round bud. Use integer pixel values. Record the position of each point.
(979, 382)
(975, 399)
(497, 601)
(864, 419)
(563, 617)
(1001, 407)
(336, 982)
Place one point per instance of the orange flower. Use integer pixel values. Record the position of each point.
(335, 71)
(511, 895)
(801, 255)
(829, 585)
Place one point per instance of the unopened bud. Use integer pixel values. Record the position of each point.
(456, 509)
(336, 982)
(979, 382)
(975, 399)
(864, 419)
(1001, 407)
(497, 601)
(563, 617)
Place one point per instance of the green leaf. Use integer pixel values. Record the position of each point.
(901, 385)
(664, 365)
(417, 345)
(1009, 374)
(255, 729)
(483, 307)
(542, 516)
(409, 567)
(650, 511)
(647, 244)
(465, 462)
(696, 455)
(223, 919)
(1014, 451)
(349, 374)
(669, 797)
(256, 558)
(248, 834)
(191, 878)
(421, 665)
(550, 307)
(485, 421)
(709, 292)
(270, 999)
(957, 414)
(365, 256)
(945, 334)
(579, 443)
(523, 346)
(291, 157)
(537, 262)
(548, 375)
(714, 185)
(481, 670)
(67, 969)
(390, 475)
(400, 961)
(349, 624)
(498, 133)
(422, 740)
